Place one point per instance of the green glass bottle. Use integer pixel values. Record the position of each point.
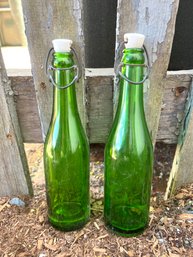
(128, 152)
(66, 149)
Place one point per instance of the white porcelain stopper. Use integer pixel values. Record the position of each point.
(62, 45)
(134, 40)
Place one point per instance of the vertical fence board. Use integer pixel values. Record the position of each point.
(156, 20)
(182, 168)
(44, 21)
(14, 175)
(99, 84)
(26, 107)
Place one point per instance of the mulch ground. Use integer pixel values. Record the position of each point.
(25, 231)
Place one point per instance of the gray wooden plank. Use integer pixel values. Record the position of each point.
(100, 105)
(182, 168)
(14, 173)
(175, 93)
(27, 109)
(44, 21)
(156, 20)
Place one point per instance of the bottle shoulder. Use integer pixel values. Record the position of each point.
(63, 138)
(126, 138)
(71, 128)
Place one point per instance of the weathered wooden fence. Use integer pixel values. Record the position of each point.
(168, 95)
(14, 175)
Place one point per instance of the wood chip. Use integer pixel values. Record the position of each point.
(96, 225)
(50, 242)
(184, 190)
(174, 255)
(77, 237)
(51, 247)
(180, 196)
(122, 250)
(151, 209)
(62, 255)
(100, 250)
(27, 231)
(40, 244)
(23, 254)
(103, 236)
(3, 201)
(155, 244)
(131, 253)
(3, 206)
(178, 250)
(185, 216)
(69, 238)
(41, 219)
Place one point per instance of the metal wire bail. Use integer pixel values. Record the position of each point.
(118, 67)
(50, 68)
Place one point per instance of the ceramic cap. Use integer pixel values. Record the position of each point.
(134, 40)
(62, 45)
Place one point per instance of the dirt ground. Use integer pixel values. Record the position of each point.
(25, 231)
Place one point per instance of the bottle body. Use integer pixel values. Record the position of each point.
(66, 155)
(128, 155)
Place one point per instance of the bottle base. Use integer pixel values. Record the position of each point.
(64, 226)
(125, 233)
(68, 216)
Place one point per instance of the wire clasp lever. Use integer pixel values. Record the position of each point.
(50, 69)
(118, 67)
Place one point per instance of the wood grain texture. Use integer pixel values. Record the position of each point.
(14, 174)
(182, 168)
(99, 107)
(99, 85)
(157, 22)
(176, 90)
(44, 21)
(27, 109)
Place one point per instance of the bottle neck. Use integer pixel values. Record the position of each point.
(64, 99)
(131, 95)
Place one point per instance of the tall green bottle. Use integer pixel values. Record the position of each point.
(128, 152)
(66, 149)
